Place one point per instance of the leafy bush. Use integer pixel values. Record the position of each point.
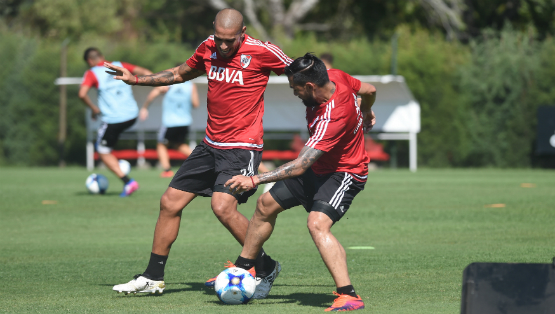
(478, 101)
(495, 87)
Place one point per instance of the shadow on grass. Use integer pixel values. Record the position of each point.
(192, 286)
(85, 193)
(304, 299)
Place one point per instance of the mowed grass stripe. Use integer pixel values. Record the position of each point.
(424, 228)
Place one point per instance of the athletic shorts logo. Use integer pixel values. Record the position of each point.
(245, 61)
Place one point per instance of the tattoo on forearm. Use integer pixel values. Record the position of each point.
(166, 77)
(294, 168)
(169, 77)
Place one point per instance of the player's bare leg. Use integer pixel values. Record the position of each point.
(265, 269)
(260, 229)
(163, 156)
(261, 225)
(129, 185)
(224, 207)
(331, 251)
(335, 258)
(167, 227)
(112, 163)
(185, 149)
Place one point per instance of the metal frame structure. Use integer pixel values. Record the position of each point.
(398, 113)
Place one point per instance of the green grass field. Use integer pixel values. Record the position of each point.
(424, 227)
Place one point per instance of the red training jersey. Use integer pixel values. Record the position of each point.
(338, 75)
(236, 90)
(336, 128)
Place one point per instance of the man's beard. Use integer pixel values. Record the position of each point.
(310, 102)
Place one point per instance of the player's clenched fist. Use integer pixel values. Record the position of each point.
(121, 74)
(239, 184)
(369, 121)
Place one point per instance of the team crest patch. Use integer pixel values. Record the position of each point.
(245, 61)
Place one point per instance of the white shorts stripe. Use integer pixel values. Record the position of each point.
(250, 172)
(162, 134)
(232, 144)
(338, 196)
(360, 177)
(101, 149)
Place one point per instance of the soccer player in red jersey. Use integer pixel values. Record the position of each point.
(117, 107)
(238, 67)
(330, 171)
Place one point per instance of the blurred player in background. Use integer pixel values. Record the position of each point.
(327, 58)
(238, 67)
(117, 107)
(330, 171)
(176, 119)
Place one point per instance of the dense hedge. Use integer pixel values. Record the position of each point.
(478, 100)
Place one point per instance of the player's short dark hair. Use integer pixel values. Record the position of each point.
(308, 68)
(92, 53)
(328, 57)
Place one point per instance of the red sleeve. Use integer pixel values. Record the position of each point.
(328, 133)
(128, 66)
(89, 79)
(196, 61)
(348, 80)
(353, 82)
(274, 59)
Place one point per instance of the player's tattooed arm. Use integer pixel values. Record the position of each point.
(171, 76)
(307, 157)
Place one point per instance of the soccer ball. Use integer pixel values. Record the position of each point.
(235, 286)
(97, 183)
(125, 166)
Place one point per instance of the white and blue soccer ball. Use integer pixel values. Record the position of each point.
(125, 166)
(235, 286)
(97, 183)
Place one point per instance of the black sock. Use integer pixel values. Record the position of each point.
(169, 169)
(125, 179)
(244, 263)
(264, 264)
(156, 265)
(350, 290)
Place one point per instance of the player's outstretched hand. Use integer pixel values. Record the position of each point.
(239, 184)
(94, 113)
(369, 121)
(143, 114)
(120, 73)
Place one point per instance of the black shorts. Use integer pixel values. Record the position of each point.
(207, 169)
(336, 189)
(173, 135)
(108, 135)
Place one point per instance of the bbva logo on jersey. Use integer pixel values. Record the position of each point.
(219, 74)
